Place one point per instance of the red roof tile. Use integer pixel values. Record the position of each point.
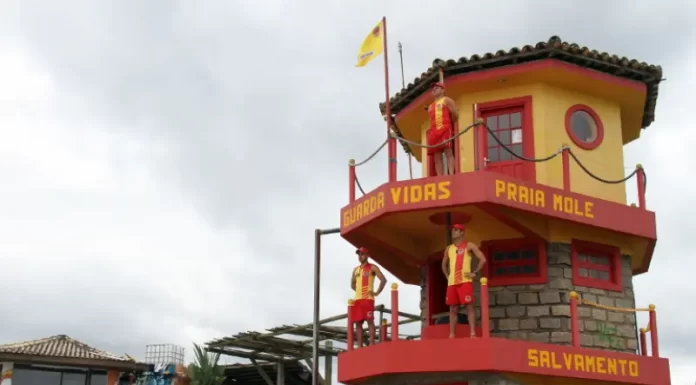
(555, 48)
(59, 346)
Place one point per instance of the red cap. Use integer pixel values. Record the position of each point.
(458, 227)
(362, 250)
(438, 84)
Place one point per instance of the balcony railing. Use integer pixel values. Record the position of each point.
(565, 152)
(389, 332)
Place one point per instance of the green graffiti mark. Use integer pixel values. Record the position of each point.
(607, 333)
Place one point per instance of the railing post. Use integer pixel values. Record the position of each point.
(391, 148)
(640, 179)
(565, 156)
(383, 331)
(643, 343)
(350, 337)
(485, 321)
(394, 312)
(574, 329)
(351, 181)
(653, 332)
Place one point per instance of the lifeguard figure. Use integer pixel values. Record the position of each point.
(456, 264)
(363, 282)
(443, 113)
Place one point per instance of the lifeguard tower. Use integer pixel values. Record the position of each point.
(540, 185)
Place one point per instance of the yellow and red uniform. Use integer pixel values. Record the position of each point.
(364, 305)
(460, 289)
(440, 125)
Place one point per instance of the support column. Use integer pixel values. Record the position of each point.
(280, 376)
(328, 364)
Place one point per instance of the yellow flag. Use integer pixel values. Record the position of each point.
(372, 46)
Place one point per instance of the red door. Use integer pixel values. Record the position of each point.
(510, 127)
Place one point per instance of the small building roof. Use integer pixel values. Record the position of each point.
(61, 349)
(554, 48)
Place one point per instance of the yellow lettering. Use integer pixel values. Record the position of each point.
(611, 366)
(524, 195)
(416, 194)
(544, 359)
(568, 358)
(557, 202)
(588, 209)
(533, 358)
(443, 188)
(499, 187)
(420, 193)
(512, 192)
(579, 362)
(554, 364)
(539, 198)
(568, 205)
(601, 365)
(368, 206)
(430, 193)
(396, 195)
(346, 217)
(582, 363)
(633, 368)
(590, 364)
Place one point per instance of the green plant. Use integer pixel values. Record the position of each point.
(205, 369)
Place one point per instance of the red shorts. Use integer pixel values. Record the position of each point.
(438, 136)
(363, 310)
(462, 294)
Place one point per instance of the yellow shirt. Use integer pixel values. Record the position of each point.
(459, 264)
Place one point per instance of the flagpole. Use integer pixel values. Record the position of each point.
(391, 147)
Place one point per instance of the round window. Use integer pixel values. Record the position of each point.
(584, 127)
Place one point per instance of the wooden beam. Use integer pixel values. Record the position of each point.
(250, 355)
(262, 372)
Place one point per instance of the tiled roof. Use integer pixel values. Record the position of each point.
(60, 346)
(554, 48)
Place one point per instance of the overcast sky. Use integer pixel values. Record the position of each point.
(164, 163)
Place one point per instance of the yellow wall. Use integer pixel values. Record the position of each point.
(549, 105)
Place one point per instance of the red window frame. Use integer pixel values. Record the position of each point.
(537, 278)
(613, 267)
(597, 121)
(481, 133)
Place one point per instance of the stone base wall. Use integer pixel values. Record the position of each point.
(541, 313)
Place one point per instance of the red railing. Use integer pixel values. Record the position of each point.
(395, 321)
(565, 157)
(652, 326)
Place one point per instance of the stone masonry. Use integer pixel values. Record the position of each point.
(541, 313)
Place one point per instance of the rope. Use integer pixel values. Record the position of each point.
(357, 182)
(547, 158)
(612, 308)
(373, 154)
(588, 172)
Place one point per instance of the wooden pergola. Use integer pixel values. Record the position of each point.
(289, 345)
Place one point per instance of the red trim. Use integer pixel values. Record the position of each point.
(598, 122)
(538, 278)
(527, 130)
(477, 143)
(461, 359)
(614, 266)
(507, 71)
(565, 156)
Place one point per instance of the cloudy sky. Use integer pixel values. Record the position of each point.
(164, 163)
